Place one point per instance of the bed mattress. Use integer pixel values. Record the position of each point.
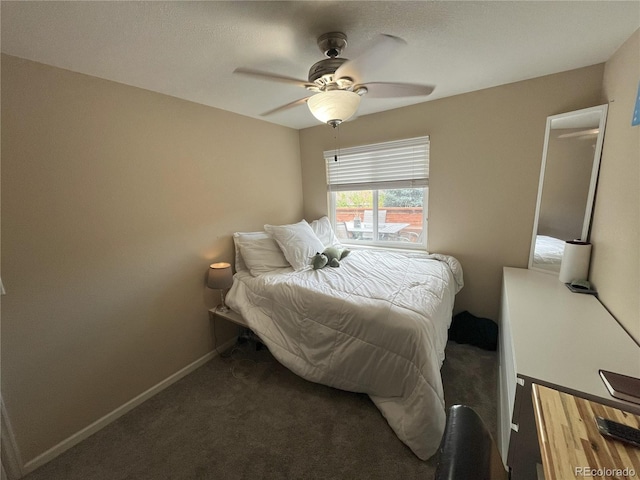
(376, 325)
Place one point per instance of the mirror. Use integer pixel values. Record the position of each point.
(568, 176)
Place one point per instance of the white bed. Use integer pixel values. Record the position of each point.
(377, 325)
(548, 251)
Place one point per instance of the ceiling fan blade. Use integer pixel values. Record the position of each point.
(378, 52)
(272, 77)
(391, 90)
(287, 106)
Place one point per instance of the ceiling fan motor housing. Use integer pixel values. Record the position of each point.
(331, 45)
(328, 66)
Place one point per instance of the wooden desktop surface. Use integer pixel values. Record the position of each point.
(570, 443)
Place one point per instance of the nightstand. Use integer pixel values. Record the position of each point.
(234, 317)
(229, 315)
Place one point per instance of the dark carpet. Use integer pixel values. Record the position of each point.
(248, 417)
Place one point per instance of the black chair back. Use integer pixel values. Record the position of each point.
(467, 451)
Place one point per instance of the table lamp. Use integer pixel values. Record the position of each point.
(221, 278)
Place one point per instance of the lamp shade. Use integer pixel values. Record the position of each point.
(220, 276)
(334, 106)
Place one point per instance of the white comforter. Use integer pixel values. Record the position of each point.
(549, 250)
(377, 324)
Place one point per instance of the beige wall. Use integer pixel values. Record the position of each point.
(486, 150)
(114, 202)
(615, 265)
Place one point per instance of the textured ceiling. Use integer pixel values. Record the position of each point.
(190, 49)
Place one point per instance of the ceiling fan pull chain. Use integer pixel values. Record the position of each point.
(336, 136)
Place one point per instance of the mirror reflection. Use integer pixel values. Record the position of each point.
(571, 158)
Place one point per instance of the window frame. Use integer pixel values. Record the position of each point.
(424, 185)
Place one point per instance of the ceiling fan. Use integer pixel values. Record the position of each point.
(336, 82)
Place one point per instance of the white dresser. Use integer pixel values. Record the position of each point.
(553, 337)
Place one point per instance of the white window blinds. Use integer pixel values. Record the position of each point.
(389, 165)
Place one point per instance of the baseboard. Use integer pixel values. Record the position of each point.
(99, 424)
(10, 455)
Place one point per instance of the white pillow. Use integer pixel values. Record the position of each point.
(323, 230)
(297, 241)
(237, 236)
(258, 252)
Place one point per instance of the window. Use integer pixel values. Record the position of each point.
(378, 194)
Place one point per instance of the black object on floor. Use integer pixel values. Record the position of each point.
(247, 335)
(469, 329)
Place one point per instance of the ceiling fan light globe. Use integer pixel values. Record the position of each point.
(334, 106)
